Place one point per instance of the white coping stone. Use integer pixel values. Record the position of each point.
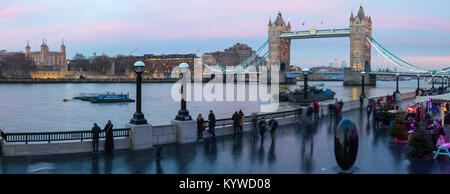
(141, 136)
(186, 131)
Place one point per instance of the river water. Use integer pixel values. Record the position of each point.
(26, 107)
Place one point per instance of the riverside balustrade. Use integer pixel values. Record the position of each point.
(53, 136)
(281, 114)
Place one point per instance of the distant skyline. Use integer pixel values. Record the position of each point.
(417, 31)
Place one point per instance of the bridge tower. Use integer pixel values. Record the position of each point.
(279, 48)
(360, 49)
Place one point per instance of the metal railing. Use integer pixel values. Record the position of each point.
(281, 114)
(79, 135)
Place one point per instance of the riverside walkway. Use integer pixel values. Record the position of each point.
(297, 149)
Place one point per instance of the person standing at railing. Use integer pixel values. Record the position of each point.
(212, 123)
(200, 127)
(241, 122)
(109, 142)
(95, 137)
(235, 119)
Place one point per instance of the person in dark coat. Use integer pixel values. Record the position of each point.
(254, 125)
(235, 119)
(212, 123)
(109, 142)
(200, 127)
(273, 125)
(95, 137)
(262, 126)
(241, 122)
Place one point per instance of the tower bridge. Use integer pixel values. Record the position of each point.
(280, 35)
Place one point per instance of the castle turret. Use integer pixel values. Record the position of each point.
(63, 47)
(27, 49)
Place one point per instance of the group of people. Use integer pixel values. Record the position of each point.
(336, 109)
(109, 137)
(258, 125)
(201, 125)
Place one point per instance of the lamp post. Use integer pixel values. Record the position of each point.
(138, 116)
(418, 84)
(397, 90)
(183, 113)
(305, 81)
(442, 79)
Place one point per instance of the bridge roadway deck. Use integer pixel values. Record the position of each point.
(296, 149)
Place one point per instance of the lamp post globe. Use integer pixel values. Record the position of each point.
(183, 113)
(138, 116)
(305, 82)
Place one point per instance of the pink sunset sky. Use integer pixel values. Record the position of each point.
(417, 31)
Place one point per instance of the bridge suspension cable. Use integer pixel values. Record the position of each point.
(394, 59)
(252, 60)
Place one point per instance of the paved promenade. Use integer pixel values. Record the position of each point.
(297, 149)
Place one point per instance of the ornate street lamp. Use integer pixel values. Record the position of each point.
(138, 117)
(183, 113)
(442, 79)
(305, 82)
(397, 90)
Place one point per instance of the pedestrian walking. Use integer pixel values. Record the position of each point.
(273, 125)
(235, 119)
(316, 110)
(262, 126)
(200, 127)
(241, 122)
(95, 138)
(109, 142)
(212, 123)
(369, 109)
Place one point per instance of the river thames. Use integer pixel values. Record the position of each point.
(40, 106)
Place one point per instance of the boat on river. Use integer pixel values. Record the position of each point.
(315, 93)
(104, 97)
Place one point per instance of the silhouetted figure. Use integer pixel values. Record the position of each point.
(109, 142)
(262, 126)
(316, 109)
(254, 126)
(212, 123)
(241, 122)
(200, 127)
(95, 137)
(235, 119)
(273, 125)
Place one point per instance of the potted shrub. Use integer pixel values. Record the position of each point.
(399, 129)
(420, 143)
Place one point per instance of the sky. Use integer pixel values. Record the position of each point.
(415, 30)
